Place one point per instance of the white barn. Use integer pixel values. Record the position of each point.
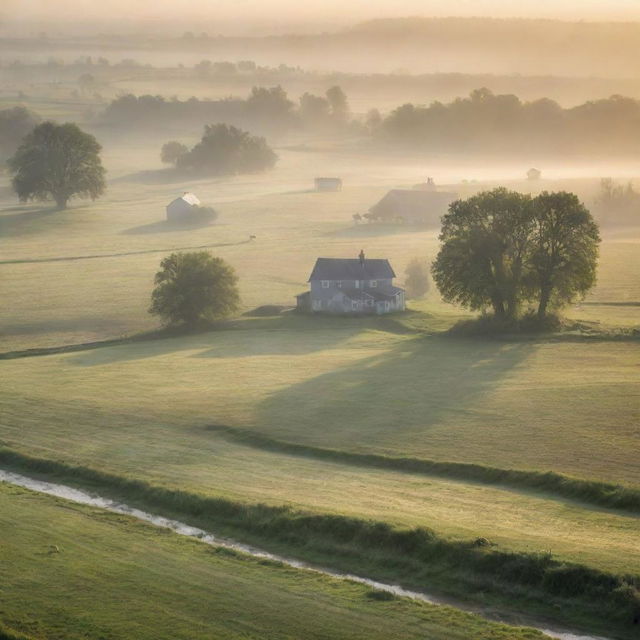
(181, 207)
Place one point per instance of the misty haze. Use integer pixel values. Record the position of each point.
(320, 320)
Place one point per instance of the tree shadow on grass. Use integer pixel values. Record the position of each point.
(392, 400)
(154, 176)
(164, 226)
(287, 334)
(25, 220)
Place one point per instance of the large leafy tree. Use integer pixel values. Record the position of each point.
(59, 162)
(502, 249)
(481, 262)
(194, 287)
(563, 249)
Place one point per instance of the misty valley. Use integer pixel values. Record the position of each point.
(324, 325)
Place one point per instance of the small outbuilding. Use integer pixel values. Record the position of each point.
(180, 208)
(422, 207)
(328, 184)
(534, 174)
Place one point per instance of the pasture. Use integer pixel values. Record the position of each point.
(390, 386)
(116, 577)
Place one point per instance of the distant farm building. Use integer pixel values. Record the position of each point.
(534, 174)
(412, 206)
(352, 286)
(180, 208)
(328, 184)
(428, 185)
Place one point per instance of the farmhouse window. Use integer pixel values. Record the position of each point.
(339, 283)
(357, 284)
(317, 305)
(373, 283)
(325, 284)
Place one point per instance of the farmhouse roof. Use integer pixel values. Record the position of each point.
(351, 269)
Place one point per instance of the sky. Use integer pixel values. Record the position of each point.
(281, 15)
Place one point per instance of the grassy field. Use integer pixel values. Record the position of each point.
(390, 386)
(76, 301)
(118, 578)
(532, 405)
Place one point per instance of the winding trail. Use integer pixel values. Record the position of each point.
(81, 497)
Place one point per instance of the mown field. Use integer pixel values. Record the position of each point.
(114, 577)
(388, 386)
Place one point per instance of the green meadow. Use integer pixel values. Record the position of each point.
(397, 386)
(114, 577)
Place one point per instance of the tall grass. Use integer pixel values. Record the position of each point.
(8, 634)
(593, 492)
(414, 556)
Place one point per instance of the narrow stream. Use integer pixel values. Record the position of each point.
(76, 495)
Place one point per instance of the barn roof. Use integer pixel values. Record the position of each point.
(189, 198)
(351, 269)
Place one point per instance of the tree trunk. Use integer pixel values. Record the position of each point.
(61, 201)
(545, 295)
(498, 307)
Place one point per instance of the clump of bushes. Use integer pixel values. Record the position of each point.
(223, 150)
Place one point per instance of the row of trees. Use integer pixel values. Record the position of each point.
(487, 122)
(267, 108)
(503, 250)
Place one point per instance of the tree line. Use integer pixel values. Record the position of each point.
(266, 108)
(485, 122)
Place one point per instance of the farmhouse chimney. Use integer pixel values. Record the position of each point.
(361, 256)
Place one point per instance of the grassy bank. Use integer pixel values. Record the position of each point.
(597, 493)
(114, 577)
(416, 557)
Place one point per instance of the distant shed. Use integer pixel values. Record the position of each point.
(413, 206)
(181, 207)
(328, 184)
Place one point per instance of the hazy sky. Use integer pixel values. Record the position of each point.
(276, 14)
